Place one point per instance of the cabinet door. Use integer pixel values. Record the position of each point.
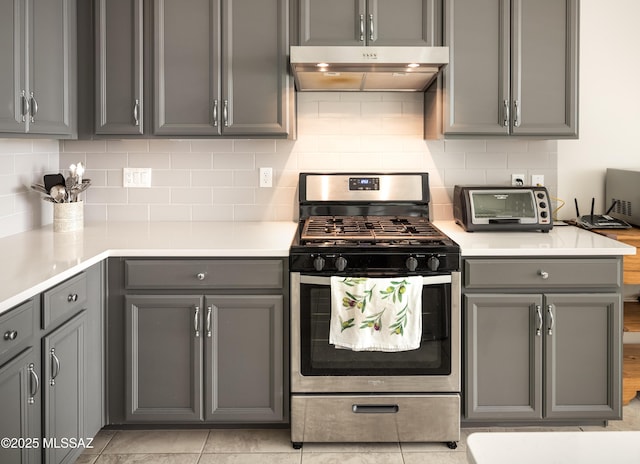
(583, 356)
(119, 67)
(403, 22)
(544, 67)
(255, 83)
(332, 22)
(64, 388)
(186, 67)
(52, 68)
(244, 358)
(476, 80)
(12, 57)
(20, 406)
(163, 358)
(503, 356)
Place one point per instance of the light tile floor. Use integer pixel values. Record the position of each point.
(268, 446)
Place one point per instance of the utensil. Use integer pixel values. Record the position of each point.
(52, 179)
(39, 188)
(58, 193)
(70, 184)
(79, 172)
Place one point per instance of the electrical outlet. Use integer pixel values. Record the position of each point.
(266, 177)
(517, 179)
(537, 180)
(136, 177)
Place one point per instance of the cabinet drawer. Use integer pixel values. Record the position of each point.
(543, 273)
(206, 273)
(16, 327)
(63, 301)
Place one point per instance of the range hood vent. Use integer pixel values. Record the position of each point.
(361, 69)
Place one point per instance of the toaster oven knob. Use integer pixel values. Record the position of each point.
(411, 263)
(318, 263)
(341, 263)
(433, 263)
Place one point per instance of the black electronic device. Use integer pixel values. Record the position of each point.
(599, 221)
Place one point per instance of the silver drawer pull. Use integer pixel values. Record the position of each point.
(55, 367)
(35, 384)
(551, 320)
(375, 408)
(209, 311)
(201, 276)
(196, 321)
(539, 315)
(543, 274)
(73, 297)
(10, 335)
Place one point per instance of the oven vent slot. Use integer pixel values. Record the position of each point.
(375, 408)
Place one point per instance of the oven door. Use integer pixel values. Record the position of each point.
(319, 367)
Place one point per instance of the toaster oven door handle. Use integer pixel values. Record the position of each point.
(505, 221)
(324, 280)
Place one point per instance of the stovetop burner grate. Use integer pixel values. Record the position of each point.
(392, 229)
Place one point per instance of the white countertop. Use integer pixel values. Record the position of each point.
(36, 260)
(39, 259)
(597, 447)
(560, 241)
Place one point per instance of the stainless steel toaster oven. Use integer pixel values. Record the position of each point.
(495, 208)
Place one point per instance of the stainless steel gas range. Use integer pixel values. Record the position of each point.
(372, 226)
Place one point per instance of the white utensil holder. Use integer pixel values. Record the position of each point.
(68, 217)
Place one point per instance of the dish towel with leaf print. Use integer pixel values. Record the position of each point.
(376, 314)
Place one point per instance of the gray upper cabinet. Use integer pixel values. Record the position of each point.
(38, 76)
(370, 22)
(120, 100)
(513, 68)
(220, 68)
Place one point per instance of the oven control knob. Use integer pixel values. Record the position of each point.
(411, 263)
(433, 263)
(341, 263)
(318, 263)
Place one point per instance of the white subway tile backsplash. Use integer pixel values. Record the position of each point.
(217, 179)
(127, 146)
(233, 161)
(191, 195)
(149, 196)
(128, 213)
(191, 161)
(170, 212)
(153, 160)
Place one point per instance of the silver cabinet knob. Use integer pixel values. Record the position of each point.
(72, 298)
(201, 276)
(543, 274)
(11, 335)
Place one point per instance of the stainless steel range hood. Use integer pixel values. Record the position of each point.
(343, 68)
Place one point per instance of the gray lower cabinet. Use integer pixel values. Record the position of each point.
(551, 354)
(164, 358)
(37, 78)
(370, 22)
(20, 405)
(513, 68)
(201, 340)
(64, 388)
(215, 358)
(244, 358)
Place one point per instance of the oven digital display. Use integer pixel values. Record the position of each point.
(364, 183)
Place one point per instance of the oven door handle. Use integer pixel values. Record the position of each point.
(325, 280)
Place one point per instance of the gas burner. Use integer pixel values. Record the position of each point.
(378, 230)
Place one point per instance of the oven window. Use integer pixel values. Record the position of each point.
(507, 204)
(318, 357)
